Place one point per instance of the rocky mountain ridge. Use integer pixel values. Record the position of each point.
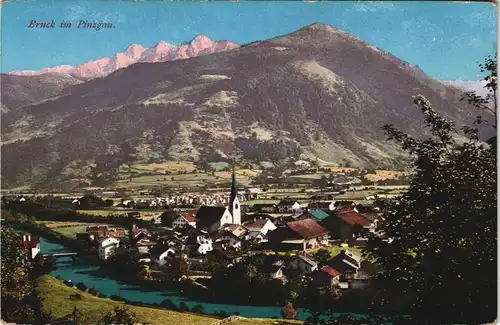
(316, 93)
(161, 52)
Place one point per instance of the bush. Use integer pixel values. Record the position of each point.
(198, 309)
(93, 291)
(100, 295)
(81, 286)
(168, 304)
(116, 298)
(183, 306)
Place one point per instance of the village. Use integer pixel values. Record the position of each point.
(317, 236)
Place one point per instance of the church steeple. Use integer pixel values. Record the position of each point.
(234, 190)
(234, 203)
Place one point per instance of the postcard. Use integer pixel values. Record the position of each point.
(248, 162)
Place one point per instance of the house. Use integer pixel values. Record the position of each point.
(260, 228)
(303, 263)
(31, 245)
(316, 215)
(199, 242)
(143, 204)
(228, 240)
(267, 207)
(211, 218)
(238, 230)
(161, 254)
(107, 247)
(182, 221)
(307, 233)
(252, 193)
(346, 263)
(144, 245)
(140, 233)
(167, 218)
(289, 206)
(352, 217)
(326, 277)
(275, 271)
(329, 206)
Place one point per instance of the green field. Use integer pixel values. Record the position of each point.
(56, 300)
(70, 232)
(180, 180)
(103, 212)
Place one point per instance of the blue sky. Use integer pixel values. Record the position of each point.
(446, 39)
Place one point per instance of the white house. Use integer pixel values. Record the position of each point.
(183, 221)
(289, 206)
(228, 239)
(262, 225)
(107, 247)
(160, 258)
(303, 263)
(258, 229)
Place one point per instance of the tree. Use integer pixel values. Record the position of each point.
(488, 103)
(20, 303)
(145, 273)
(438, 256)
(322, 255)
(120, 315)
(288, 312)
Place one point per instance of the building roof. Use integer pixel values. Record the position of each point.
(352, 217)
(307, 259)
(207, 215)
(330, 271)
(307, 228)
(224, 232)
(256, 224)
(287, 202)
(371, 216)
(344, 262)
(253, 190)
(190, 218)
(318, 214)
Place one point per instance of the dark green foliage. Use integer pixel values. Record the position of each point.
(183, 306)
(198, 309)
(441, 264)
(81, 286)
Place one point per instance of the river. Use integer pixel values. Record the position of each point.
(94, 276)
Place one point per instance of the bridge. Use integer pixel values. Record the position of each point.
(72, 255)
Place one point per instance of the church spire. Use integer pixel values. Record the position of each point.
(234, 191)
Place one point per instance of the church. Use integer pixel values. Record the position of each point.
(211, 218)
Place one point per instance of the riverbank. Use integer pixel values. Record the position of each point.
(56, 300)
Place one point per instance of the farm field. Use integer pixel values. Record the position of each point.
(70, 232)
(180, 180)
(145, 214)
